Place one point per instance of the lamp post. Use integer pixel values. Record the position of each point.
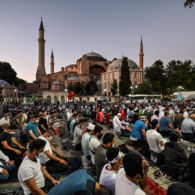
(65, 90)
(133, 87)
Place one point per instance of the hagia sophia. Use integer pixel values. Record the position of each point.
(89, 66)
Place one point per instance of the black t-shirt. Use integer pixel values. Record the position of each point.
(5, 137)
(43, 122)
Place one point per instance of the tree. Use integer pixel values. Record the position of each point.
(91, 87)
(156, 76)
(8, 74)
(114, 87)
(189, 3)
(125, 82)
(143, 88)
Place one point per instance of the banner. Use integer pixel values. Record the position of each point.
(71, 94)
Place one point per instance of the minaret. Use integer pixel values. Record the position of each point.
(52, 63)
(141, 56)
(41, 58)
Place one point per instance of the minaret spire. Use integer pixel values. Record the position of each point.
(52, 63)
(141, 55)
(41, 53)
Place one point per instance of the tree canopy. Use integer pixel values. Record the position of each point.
(189, 3)
(114, 87)
(125, 82)
(8, 74)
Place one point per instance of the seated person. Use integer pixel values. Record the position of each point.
(31, 174)
(155, 142)
(100, 155)
(138, 132)
(6, 166)
(175, 156)
(132, 178)
(110, 170)
(125, 128)
(192, 169)
(4, 120)
(79, 182)
(32, 129)
(53, 163)
(43, 126)
(6, 141)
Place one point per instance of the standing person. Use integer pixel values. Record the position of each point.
(94, 142)
(31, 174)
(101, 116)
(117, 123)
(100, 155)
(132, 178)
(73, 124)
(110, 170)
(188, 128)
(155, 142)
(85, 140)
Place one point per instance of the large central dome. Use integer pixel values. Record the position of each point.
(117, 64)
(94, 56)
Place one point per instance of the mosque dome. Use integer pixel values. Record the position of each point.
(2, 82)
(73, 78)
(95, 56)
(117, 64)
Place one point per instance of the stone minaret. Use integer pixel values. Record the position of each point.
(141, 56)
(41, 58)
(52, 63)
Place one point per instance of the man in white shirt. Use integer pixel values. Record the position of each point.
(109, 171)
(31, 173)
(132, 178)
(94, 142)
(117, 123)
(6, 166)
(155, 142)
(5, 119)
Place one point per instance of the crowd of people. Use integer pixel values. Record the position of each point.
(154, 132)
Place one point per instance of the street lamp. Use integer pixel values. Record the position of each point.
(65, 90)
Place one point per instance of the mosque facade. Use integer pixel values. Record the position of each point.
(90, 66)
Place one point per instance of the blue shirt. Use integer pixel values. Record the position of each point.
(79, 182)
(31, 126)
(164, 123)
(85, 144)
(137, 129)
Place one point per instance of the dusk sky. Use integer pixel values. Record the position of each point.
(108, 27)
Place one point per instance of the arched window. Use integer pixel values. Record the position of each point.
(62, 99)
(55, 100)
(49, 99)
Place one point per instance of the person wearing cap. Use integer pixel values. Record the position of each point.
(110, 170)
(138, 131)
(117, 123)
(77, 135)
(175, 156)
(4, 120)
(188, 128)
(85, 140)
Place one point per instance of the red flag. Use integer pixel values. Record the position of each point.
(71, 94)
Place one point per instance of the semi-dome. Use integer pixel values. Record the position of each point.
(73, 78)
(2, 82)
(95, 56)
(117, 64)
